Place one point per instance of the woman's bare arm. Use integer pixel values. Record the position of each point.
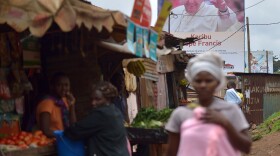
(239, 140)
(72, 113)
(44, 119)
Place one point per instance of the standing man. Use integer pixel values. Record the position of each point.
(231, 94)
(121, 100)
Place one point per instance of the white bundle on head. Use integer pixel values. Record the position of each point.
(209, 62)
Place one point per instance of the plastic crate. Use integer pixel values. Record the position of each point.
(147, 136)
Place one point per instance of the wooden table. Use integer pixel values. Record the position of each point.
(156, 139)
(40, 151)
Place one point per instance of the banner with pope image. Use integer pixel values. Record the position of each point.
(219, 24)
(261, 61)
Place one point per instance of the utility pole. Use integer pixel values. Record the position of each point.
(266, 61)
(169, 23)
(249, 48)
(171, 13)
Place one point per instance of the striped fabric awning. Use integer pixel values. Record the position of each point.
(38, 15)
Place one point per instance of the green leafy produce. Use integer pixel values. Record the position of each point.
(154, 123)
(151, 118)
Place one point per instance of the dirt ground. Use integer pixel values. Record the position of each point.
(267, 146)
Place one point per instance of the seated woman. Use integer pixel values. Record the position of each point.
(103, 129)
(206, 75)
(56, 111)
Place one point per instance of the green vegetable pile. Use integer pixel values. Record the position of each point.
(151, 118)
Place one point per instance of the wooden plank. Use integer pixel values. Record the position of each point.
(40, 151)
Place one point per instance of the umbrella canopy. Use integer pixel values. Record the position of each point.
(38, 15)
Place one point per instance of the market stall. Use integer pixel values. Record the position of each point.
(172, 66)
(156, 92)
(82, 40)
(27, 61)
(15, 88)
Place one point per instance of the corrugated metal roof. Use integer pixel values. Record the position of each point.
(240, 74)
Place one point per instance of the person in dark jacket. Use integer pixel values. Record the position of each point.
(103, 129)
(120, 101)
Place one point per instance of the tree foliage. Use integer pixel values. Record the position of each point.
(276, 65)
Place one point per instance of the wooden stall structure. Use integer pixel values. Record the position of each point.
(72, 36)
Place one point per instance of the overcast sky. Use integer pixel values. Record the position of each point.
(262, 37)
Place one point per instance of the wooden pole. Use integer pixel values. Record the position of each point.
(169, 22)
(248, 42)
(266, 61)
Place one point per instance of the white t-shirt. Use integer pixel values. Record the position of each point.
(232, 97)
(230, 111)
(201, 21)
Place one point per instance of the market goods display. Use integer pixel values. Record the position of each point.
(136, 68)
(4, 87)
(130, 81)
(151, 118)
(183, 82)
(7, 106)
(5, 53)
(185, 102)
(7, 148)
(25, 140)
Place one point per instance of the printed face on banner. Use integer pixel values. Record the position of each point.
(192, 6)
(207, 16)
(237, 6)
(219, 24)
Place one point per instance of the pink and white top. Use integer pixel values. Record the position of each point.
(203, 139)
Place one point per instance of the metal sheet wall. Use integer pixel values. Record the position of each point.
(272, 97)
(254, 102)
(271, 104)
(264, 95)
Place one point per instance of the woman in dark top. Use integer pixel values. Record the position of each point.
(103, 128)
